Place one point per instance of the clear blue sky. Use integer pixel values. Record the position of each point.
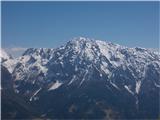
(51, 24)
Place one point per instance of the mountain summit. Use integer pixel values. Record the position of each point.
(89, 78)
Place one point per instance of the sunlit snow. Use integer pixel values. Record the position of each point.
(56, 85)
(138, 85)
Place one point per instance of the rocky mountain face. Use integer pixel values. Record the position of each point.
(13, 106)
(89, 79)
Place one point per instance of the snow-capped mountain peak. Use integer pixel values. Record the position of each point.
(82, 60)
(4, 56)
(7, 60)
(97, 72)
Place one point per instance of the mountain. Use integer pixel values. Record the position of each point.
(90, 79)
(7, 60)
(4, 56)
(13, 106)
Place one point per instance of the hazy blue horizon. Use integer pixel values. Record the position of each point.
(52, 24)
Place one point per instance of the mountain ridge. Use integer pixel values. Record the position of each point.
(83, 63)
